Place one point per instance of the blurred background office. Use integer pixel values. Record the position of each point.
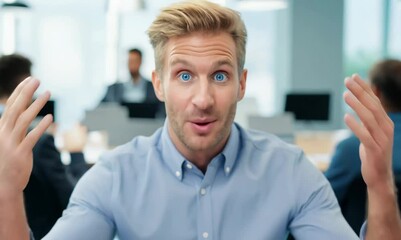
(301, 47)
(79, 47)
(298, 53)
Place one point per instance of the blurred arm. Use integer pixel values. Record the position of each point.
(74, 143)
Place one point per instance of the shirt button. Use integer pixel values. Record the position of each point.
(203, 191)
(178, 174)
(189, 166)
(205, 235)
(228, 169)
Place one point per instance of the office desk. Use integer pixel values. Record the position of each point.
(96, 145)
(319, 145)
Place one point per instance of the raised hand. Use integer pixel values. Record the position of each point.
(15, 144)
(375, 132)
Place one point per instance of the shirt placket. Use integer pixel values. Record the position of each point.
(205, 217)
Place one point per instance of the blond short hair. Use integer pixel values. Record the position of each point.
(184, 18)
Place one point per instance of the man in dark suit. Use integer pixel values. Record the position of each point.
(138, 89)
(51, 182)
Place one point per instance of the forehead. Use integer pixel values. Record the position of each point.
(201, 46)
(133, 55)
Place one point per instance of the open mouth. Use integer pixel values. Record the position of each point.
(202, 123)
(203, 127)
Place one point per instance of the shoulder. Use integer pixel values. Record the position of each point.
(263, 142)
(266, 154)
(345, 156)
(119, 166)
(46, 137)
(349, 144)
(130, 154)
(116, 85)
(272, 161)
(45, 141)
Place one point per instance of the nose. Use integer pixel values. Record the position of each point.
(203, 95)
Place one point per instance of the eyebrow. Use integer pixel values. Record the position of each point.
(215, 65)
(223, 62)
(180, 61)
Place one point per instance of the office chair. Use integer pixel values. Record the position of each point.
(105, 116)
(133, 127)
(113, 119)
(281, 125)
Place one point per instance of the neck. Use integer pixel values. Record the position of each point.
(136, 77)
(201, 160)
(199, 157)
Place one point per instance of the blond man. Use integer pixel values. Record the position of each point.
(202, 176)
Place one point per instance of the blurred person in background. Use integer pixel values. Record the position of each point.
(51, 182)
(345, 166)
(137, 89)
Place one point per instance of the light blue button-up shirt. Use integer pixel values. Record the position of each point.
(258, 187)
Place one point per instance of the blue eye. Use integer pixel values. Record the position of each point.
(185, 76)
(220, 77)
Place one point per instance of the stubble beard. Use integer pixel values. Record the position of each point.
(194, 146)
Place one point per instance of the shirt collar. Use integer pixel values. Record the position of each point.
(175, 161)
(170, 155)
(231, 150)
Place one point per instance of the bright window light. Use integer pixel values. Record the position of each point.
(9, 32)
(261, 5)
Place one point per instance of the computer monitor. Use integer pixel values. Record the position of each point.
(308, 106)
(142, 110)
(48, 108)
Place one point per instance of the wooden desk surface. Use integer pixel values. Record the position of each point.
(319, 146)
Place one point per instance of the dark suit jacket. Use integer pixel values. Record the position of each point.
(115, 93)
(50, 185)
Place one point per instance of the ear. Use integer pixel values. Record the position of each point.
(157, 86)
(242, 84)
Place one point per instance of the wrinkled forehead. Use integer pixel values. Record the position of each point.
(218, 46)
